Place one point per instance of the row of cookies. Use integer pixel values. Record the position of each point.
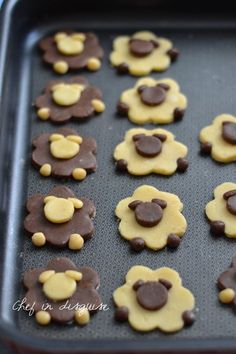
(138, 54)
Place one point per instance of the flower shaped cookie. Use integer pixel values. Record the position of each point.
(219, 139)
(64, 154)
(66, 99)
(70, 292)
(153, 299)
(60, 219)
(142, 53)
(70, 50)
(227, 284)
(145, 151)
(221, 211)
(151, 218)
(153, 101)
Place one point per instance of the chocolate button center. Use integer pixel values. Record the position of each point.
(152, 96)
(148, 214)
(148, 146)
(141, 48)
(229, 132)
(152, 295)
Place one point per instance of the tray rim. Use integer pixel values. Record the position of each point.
(196, 345)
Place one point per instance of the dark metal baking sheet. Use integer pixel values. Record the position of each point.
(206, 73)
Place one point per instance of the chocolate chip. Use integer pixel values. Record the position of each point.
(137, 244)
(155, 43)
(152, 295)
(217, 227)
(134, 204)
(173, 54)
(165, 87)
(229, 194)
(229, 132)
(162, 203)
(173, 241)
(122, 314)
(153, 95)
(205, 148)
(148, 214)
(188, 318)
(123, 69)
(182, 164)
(122, 109)
(121, 165)
(137, 284)
(141, 48)
(167, 284)
(141, 88)
(178, 114)
(231, 204)
(148, 146)
(161, 137)
(137, 136)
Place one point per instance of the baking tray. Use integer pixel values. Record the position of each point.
(206, 73)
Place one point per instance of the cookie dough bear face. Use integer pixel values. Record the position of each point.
(153, 299)
(60, 210)
(151, 218)
(219, 139)
(153, 101)
(73, 98)
(142, 53)
(227, 284)
(60, 219)
(150, 151)
(222, 210)
(72, 50)
(70, 44)
(66, 94)
(59, 283)
(65, 147)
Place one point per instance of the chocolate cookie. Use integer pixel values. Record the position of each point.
(219, 139)
(70, 292)
(64, 154)
(66, 99)
(152, 299)
(60, 219)
(70, 50)
(142, 53)
(227, 285)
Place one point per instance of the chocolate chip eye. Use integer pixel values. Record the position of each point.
(148, 214)
(229, 132)
(152, 95)
(148, 146)
(152, 295)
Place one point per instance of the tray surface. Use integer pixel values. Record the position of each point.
(205, 71)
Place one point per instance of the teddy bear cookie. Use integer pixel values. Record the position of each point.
(221, 211)
(66, 99)
(151, 218)
(142, 53)
(60, 219)
(226, 283)
(150, 151)
(219, 139)
(69, 292)
(69, 50)
(152, 299)
(65, 154)
(153, 101)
